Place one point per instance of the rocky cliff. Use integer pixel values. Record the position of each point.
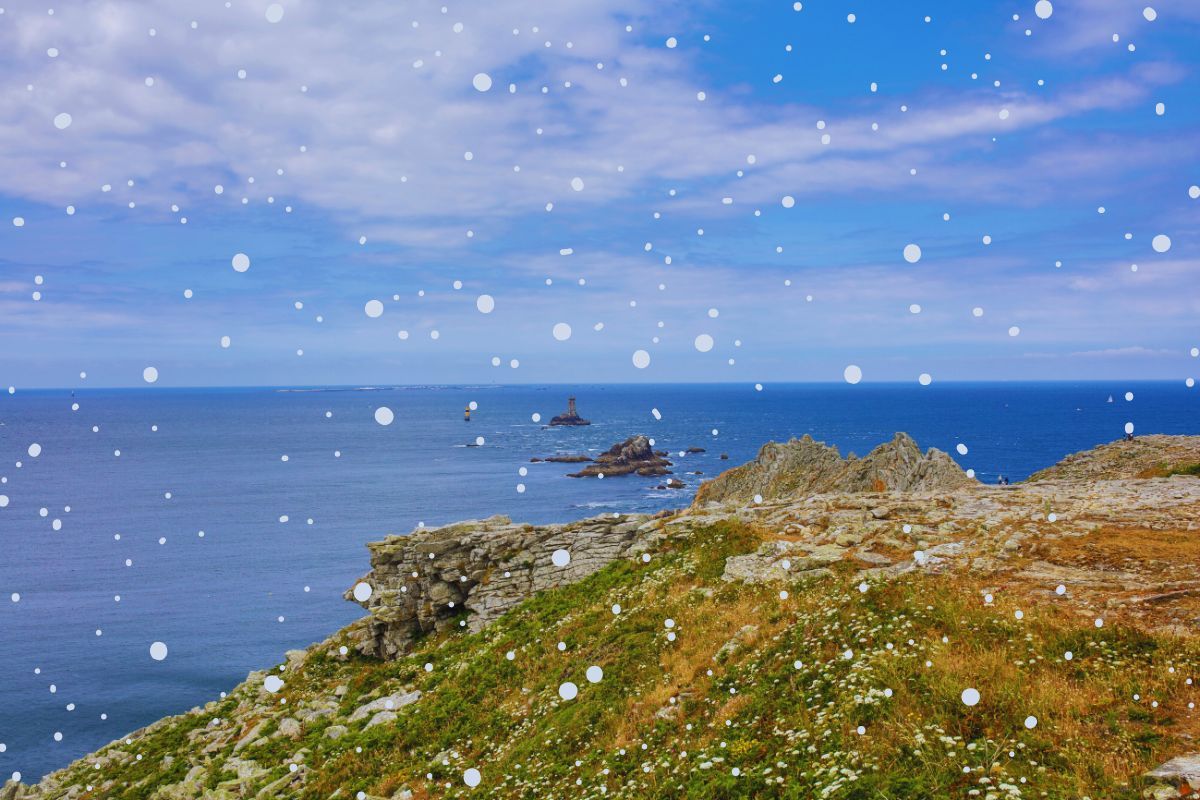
(817, 644)
(473, 572)
(803, 467)
(1154, 456)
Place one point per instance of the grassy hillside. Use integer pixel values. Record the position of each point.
(827, 687)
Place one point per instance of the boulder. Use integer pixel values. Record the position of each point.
(289, 727)
(1180, 770)
(390, 703)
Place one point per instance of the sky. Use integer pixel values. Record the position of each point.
(597, 190)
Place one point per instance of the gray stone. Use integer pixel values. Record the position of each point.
(1179, 770)
(482, 567)
(392, 702)
(289, 727)
(743, 637)
(380, 718)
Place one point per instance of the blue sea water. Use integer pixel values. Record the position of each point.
(283, 539)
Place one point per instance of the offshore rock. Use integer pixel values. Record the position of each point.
(634, 455)
(477, 570)
(570, 417)
(803, 467)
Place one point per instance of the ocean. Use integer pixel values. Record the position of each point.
(229, 554)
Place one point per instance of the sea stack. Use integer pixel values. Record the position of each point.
(570, 417)
(634, 455)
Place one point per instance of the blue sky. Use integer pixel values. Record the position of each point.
(342, 160)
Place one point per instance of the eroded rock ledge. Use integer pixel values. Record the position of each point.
(477, 570)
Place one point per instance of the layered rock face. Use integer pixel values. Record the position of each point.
(477, 570)
(634, 455)
(803, 467)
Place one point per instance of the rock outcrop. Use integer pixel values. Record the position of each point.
(1155, 456)
(804, 467)
(732, 588)
(570, 417)
(1179, 771)
(634, 455)
(475, 571)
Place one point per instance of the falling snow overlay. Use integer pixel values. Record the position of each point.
(599, 399)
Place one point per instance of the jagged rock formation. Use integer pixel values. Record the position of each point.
(804, 466)
(570, 417)
(428, 580)
(1155, 456)
(634, 455)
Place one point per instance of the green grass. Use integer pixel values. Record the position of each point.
(790, 731)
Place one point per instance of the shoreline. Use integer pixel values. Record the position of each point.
(500, 546)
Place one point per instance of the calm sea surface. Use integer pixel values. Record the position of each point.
(283, 539)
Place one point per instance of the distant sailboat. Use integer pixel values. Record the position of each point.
(1110, 398)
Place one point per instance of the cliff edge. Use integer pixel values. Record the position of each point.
(948, 639)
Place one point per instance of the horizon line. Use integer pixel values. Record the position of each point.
(476, 385)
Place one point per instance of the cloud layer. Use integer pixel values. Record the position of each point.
(347, 149)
